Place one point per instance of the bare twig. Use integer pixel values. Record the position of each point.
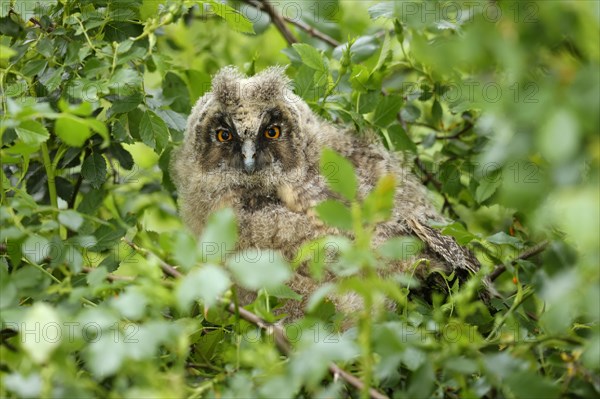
(110, 277)
(260, 5)
(274, 330)
(166, 268)
(278, 21)
(271, 329)
(528, 253)
(313, 32)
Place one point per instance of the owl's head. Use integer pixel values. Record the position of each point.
(249, 128)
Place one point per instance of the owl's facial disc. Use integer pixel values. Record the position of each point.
(254, 141)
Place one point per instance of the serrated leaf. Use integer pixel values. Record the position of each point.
(255, 269)
(122, 155)
(32, 133)
(310, 56)
(153, 131)
(339, 173)
(34, 67)
(386, 111)
(486, 188)
(174, 120)
(93, 170)
(124, 78)
(335, 214)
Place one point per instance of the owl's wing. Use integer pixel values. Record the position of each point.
(457, 257)
(445, 246)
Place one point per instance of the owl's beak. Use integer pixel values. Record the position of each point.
(249, 154)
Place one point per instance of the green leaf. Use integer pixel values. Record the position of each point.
(339, 173)
(93, 169)
(44, 321)
(422, 382)
(255, 269)
(460, 234)
(153, 131)
(400, 248)
(125, 78)
(71, 219)
(34, 67)
(32, 133)
(185, 250)
(335, 214)
(72, 130)
(219, 236)
(436, 112)
(363, 48)
(383, 9)
(386, 111)
(503, 238)
(311, 359)
(400, 139)
(131, 304)
(310, 56)
(107, 236)
(36, 248)
(284, 292)
(105, 355)
(486, 188)
(29, 386)
(234, 19)
(121, 155)
(175, 90)
(378, 205)
(527, 384)
(410, 113)
(559, 138)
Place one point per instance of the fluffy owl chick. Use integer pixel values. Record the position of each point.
(253, 145)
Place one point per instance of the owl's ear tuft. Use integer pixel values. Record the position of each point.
(273, 82)
(226, 85)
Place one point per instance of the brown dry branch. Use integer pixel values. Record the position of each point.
(528, 253)
(278, 21)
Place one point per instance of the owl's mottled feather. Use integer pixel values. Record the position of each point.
(273, 184)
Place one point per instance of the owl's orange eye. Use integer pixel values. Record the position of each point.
(224, 135)
(273, 132)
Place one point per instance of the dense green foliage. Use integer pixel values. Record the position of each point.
(496, 102)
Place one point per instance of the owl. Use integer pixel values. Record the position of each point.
(253, 145)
